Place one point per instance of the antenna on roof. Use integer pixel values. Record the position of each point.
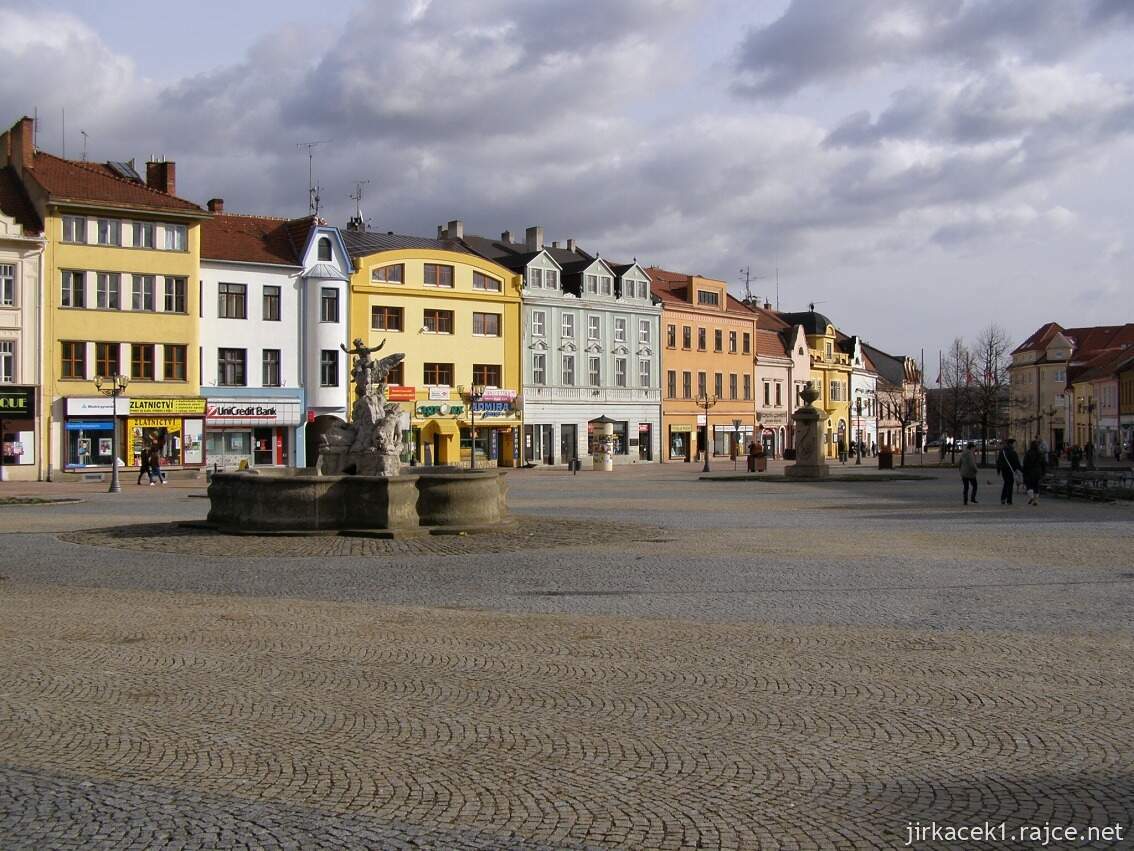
(777, 289)
(84, 132)
(63, 131)
(357, 222)
(749, 298)
(35, 129)
(312, 187)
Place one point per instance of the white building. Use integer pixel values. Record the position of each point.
(21, 317)
(273, 315)
(863, 395)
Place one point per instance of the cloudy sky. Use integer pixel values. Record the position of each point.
(915, 167)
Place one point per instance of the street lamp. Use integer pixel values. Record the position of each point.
(474, 394)
(113, 386)
(705, 402)
(858, 432)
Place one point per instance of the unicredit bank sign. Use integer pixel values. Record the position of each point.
(264, 412)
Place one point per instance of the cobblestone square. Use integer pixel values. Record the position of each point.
(650, 661)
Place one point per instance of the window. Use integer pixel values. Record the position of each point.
(539, 368)
(686, 385)
(438, 374)
(702, 383)
(718, 385)
(671, 336)
(230, 367)
(836, 391)
(747, 388)
(271, 304)
(481, 281)
(143, 234)
(551, 279)
(643, 290)
(594, 371)
(107, 290)
(74, 289)
(231, 301)
(397, 374)
(174, 357)
(175, 237)
(74, 359)
(487, 374)
(438, 322)
(606, 284)
(592, 284)
(644, 331)
(174, 295)
(384, 318)
(486, 324)
(779, 395)
(594, 323)
(830, 350)
(438, 276)
(142, 361)
(767, 394)
(535, 278)
(395, 274)
(671, 384)
(7, 361)
(747, 342)
(686, 337)
(74, 229)
(708, 297)
(142, 294)
(644, 373)
(7, 284)
(329, 305)
(732, 342)
(106, 359)
(537, 323)
(569, 370)
(620, 330)
(732, 385)
(324, 248)
(328, 368)
(620, 372)
(271, 368)
(701, 338)
(718, 341)
(567, 326)
(109, 232)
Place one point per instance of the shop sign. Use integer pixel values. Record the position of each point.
(498, 394)
(426, 410)
(773, 417)
(681, 427)
(493, 409)
(439, 393)
(170, 423)
(158, 407)
(401, 393)
(643, 427)
(702, 419)
(100, 406)
(17, 402)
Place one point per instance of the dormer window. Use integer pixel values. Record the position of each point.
(592, 284)
(393, 274)
(607, 284)
(708, 297)
(643, 290)
(830, 350)
(551, 279)
(324, 248)
(535, 278)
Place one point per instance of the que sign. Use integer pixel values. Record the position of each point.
(17, 402)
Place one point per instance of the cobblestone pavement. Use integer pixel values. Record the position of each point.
(663, 663)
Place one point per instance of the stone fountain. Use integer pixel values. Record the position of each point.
(809, 460)
(358, 485)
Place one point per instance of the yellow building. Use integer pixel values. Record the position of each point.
(456, 316)
(831, 372)
(121, 276)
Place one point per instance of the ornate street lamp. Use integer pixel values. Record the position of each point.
(474, 394)
(705, 402)
(113, 386)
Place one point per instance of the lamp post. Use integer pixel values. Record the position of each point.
(735, 438)
(113, 386)
(858, 431)
(705, 402)
(474, 394)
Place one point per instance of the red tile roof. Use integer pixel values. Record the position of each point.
(1102, 364)
(14, 202)
(1089, 340)
(771, 343)
(252, 239)
(68, 180)
(1040, 338)
(668, 286)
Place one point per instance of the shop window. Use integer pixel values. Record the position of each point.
(438, 321)
(174, 362)
(174, 295)
(90, 443)
(142, 293)
(486, 324)
(481, 281)
(271, 306)
(392, 274)
(232, 301)
(74, 359)
(328, 368)
(438, 374)
(231, 367)
(437, 275)
(329, 305)
(271, 368)
(383, 318)
(142, 361)
(108, 286)
(487, 374)
(106, 359)
(74, 292)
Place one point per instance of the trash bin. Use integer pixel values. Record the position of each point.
(885, 460)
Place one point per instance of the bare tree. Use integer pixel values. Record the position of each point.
(957, 389)
(989, 387)
(898, 405)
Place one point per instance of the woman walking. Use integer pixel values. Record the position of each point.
(1008, 466)
(155, 466)
(1034, 469)
(968, 467)
(144, 470)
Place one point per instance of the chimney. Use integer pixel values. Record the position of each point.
(506, 237)
(767, 305)
(161, 175)
(17, 146)
(456, 229)
(533, 238)
(216, 205)
(571, 245)
(440, 231)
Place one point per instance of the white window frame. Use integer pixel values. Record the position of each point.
(619, 329)
(592, 284)
(535, 278)
(594, 371)
(143, 294)
(103, 290)
(606, 284)
(551, 279)
(568, 371)
(539, 368)
(644, 331)
(176, 237)
(142, 230)
(7, 361)
(108, 232)
(75, 229)
(620, 377)
(567, 326)
(645, 372)
(7, 284)
(594, 327)
(539, 319)
(68, 289)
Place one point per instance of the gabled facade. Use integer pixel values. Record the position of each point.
(863, 401)
(782, 370)
(121, 272)
(21, 271)
(901, 400)
(589, 350)
(831, 372)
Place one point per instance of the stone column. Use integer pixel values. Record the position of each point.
(809, 420)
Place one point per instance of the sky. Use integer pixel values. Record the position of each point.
(917, 169)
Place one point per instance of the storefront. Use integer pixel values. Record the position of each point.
(724, 435)
(173, 426)
(17, 433)
(442, 430)
(251, 432)
(680, 441)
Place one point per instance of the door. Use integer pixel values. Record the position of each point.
(263, 448)
(547, 444)
(568, 443)
(645, 442)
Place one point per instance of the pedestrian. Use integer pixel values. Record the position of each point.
(144, 470)
(155, 466)
(1076, 455)
(1034, 469)
(1008, 466)
(968, 468)
(752, 457)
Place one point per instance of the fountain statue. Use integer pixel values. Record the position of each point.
(809, 460)
(371, 443)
